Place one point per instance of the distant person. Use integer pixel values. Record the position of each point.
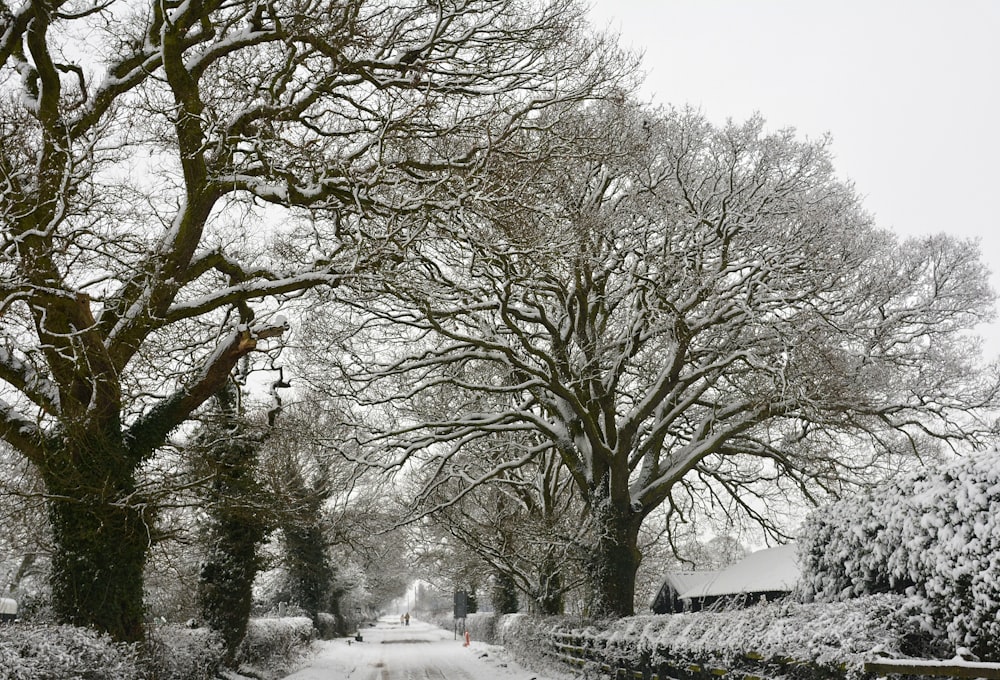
(402, 619)
(406, 617)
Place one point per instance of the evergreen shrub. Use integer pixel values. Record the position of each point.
(181, 653)
(270, 642)
(933, 534)
(48, 652)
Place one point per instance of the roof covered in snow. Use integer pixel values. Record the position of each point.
(765, 571)
(682, 581)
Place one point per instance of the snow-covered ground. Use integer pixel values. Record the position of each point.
(420, 651)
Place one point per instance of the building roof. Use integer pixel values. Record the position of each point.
(765, 571)
(682, 581)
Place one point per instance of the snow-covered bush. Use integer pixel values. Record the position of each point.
(823, 639)
(828, 635)
(934, 534)
(329, 626)
(45, 652)
(529, 639)
(180, 653)
(275, 642)
(51, 652)
(481, 625)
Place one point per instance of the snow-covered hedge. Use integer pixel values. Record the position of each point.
(823, 639)
(279, 641)
(530, 639)
(329, 626)
(51, 652)
(180, 653)
(934, 534)
(45, 652)
(271, 647)
(481, 626)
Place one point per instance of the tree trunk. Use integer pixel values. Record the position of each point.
(614, 561)
(225, 587)
(234, 533)
(505, 600)
(550, 589)
(309, 570)
(101, 542)
(238, 522)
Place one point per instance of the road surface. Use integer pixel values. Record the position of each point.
(420, 651)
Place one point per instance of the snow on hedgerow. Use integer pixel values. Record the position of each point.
(934, 534)
(43, 652)
(835, 635)
(275, 640)
(838, 636)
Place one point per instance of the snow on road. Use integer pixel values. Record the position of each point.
(419, 651)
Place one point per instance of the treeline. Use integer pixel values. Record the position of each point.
(551, 324)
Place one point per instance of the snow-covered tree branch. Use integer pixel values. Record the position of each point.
(674, 300)
(172, 173)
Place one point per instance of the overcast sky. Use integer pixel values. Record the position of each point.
(909, 90)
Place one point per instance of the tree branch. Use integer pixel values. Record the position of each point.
(149, 431)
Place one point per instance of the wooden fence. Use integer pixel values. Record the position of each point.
(595, 656)
(920, 667)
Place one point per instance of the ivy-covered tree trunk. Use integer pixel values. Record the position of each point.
(311, 573)
(102, 535)
(309, 570)
(504, 594)
(614, 560)
(225, 586)
(238, 522)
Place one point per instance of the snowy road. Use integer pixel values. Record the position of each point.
(391, 651)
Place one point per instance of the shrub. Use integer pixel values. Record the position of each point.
(505, 599)
(51, 652)
(827, 635)
(44, 652)
(329, 626)
(822, 639)
(180, 653)
(481, 625)
(934, 534)
(275, 643)
(529, 639)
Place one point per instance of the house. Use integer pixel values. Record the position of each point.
(668, 600)
(761, 576)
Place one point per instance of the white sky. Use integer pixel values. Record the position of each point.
(908, 89)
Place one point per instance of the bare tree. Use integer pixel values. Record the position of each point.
(527, 524)
(677, 307)
(317, 499)
(25, 543)
(143, 148)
